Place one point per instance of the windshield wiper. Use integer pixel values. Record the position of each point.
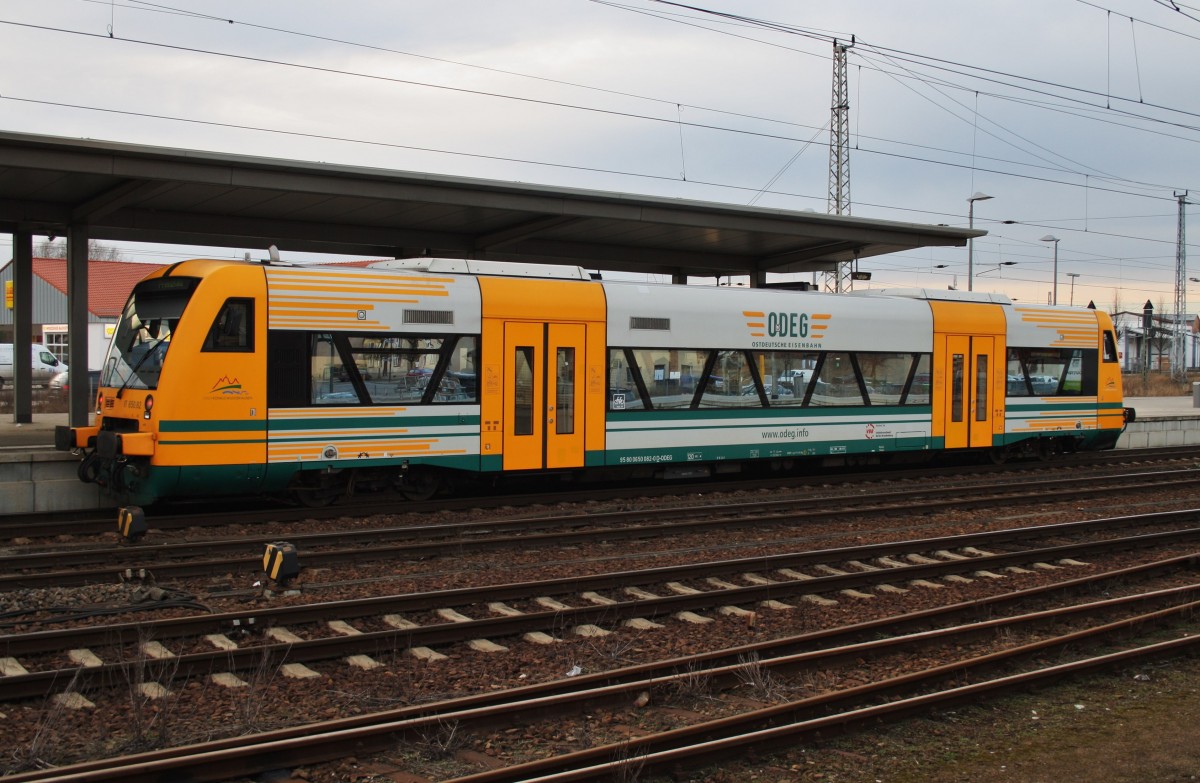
(133, 373)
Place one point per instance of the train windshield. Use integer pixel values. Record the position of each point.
(143, 337)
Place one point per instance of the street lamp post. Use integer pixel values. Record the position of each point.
(1072, 275)
(1055, 240)
(971, 241)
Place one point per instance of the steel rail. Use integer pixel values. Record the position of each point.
(548, 621)
(44, 524)
(321, 742)
(18, 567)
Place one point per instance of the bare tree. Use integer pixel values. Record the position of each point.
(96, 251)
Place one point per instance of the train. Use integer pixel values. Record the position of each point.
(227, 378)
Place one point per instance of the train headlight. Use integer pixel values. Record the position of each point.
(148, 407)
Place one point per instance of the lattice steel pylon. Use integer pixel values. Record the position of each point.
(1179, 326)
(839, 158)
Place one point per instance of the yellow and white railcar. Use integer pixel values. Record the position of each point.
(238, 378)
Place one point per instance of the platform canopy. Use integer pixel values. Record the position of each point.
(124, 192)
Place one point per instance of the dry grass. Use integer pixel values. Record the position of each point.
(1157, 385)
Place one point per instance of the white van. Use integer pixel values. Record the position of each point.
(45, 365)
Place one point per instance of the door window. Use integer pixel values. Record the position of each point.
(523, 396)
(564, 423)
(956, 388)
(981, 387)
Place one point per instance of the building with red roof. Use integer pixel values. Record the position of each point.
(109, 285)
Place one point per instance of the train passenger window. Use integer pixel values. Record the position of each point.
(785, 375)
(956, 387)
(886, 375)
(460, 381)
(670, 375)
(730, 384)
(918, 387)
(233, 328)
(395, 368)
(331, 382)
(981, 387)
(1052, 372)
(624, 385)
(523, 396)
(837, 383)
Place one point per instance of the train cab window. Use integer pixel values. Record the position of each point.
(1110, 348)
(233, 328)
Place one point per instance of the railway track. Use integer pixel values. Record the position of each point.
(168, 562)
(948, 629)
(643, 599)
(252, 511)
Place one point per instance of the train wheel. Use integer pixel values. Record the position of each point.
(418, 485)
(318, 493)
(999, 456)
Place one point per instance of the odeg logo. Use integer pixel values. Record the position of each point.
(787, 324)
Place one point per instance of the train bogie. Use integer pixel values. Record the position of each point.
(228, 378)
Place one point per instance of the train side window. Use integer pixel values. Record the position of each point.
(332, 381)
(670, 375)
(785, 375)
(917, 392)
(837, 383)
(626, 390)
(233, 328)
(460, 381)
(729, 384)
(886, 374)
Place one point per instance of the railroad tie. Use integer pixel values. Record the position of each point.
(735, 611)
(153, 690)
(1046, 566)
(479, 645)
(780, 606)
(830, 570)
(922, 560)
(818, 600)
(758, 579)
(977, 552)
(297, 671)
(888, 588)
(221, 641)
(553, 604)
(156, 651)
(590, 631)
(344, 628)
(957, 579)
(849, 593)
(863, 566)
(721, 584)
(10, 667)
(640, 594)
(85, 658)
(890, 562)
(1069, 562)
(795, 576)
(1017, 570)
(926, 583)
(593, 597)
(946, 554)
(534, 637)
(281, 634)
(73, 701)
(228, 680)
(503, 609)
(641, 624)
(679, 588)
(420, 653)
(693, 618)
(989, 575)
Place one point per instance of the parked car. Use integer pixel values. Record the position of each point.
(62, 382)
(44, 365)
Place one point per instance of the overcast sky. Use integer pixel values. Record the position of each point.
(1080, 119)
